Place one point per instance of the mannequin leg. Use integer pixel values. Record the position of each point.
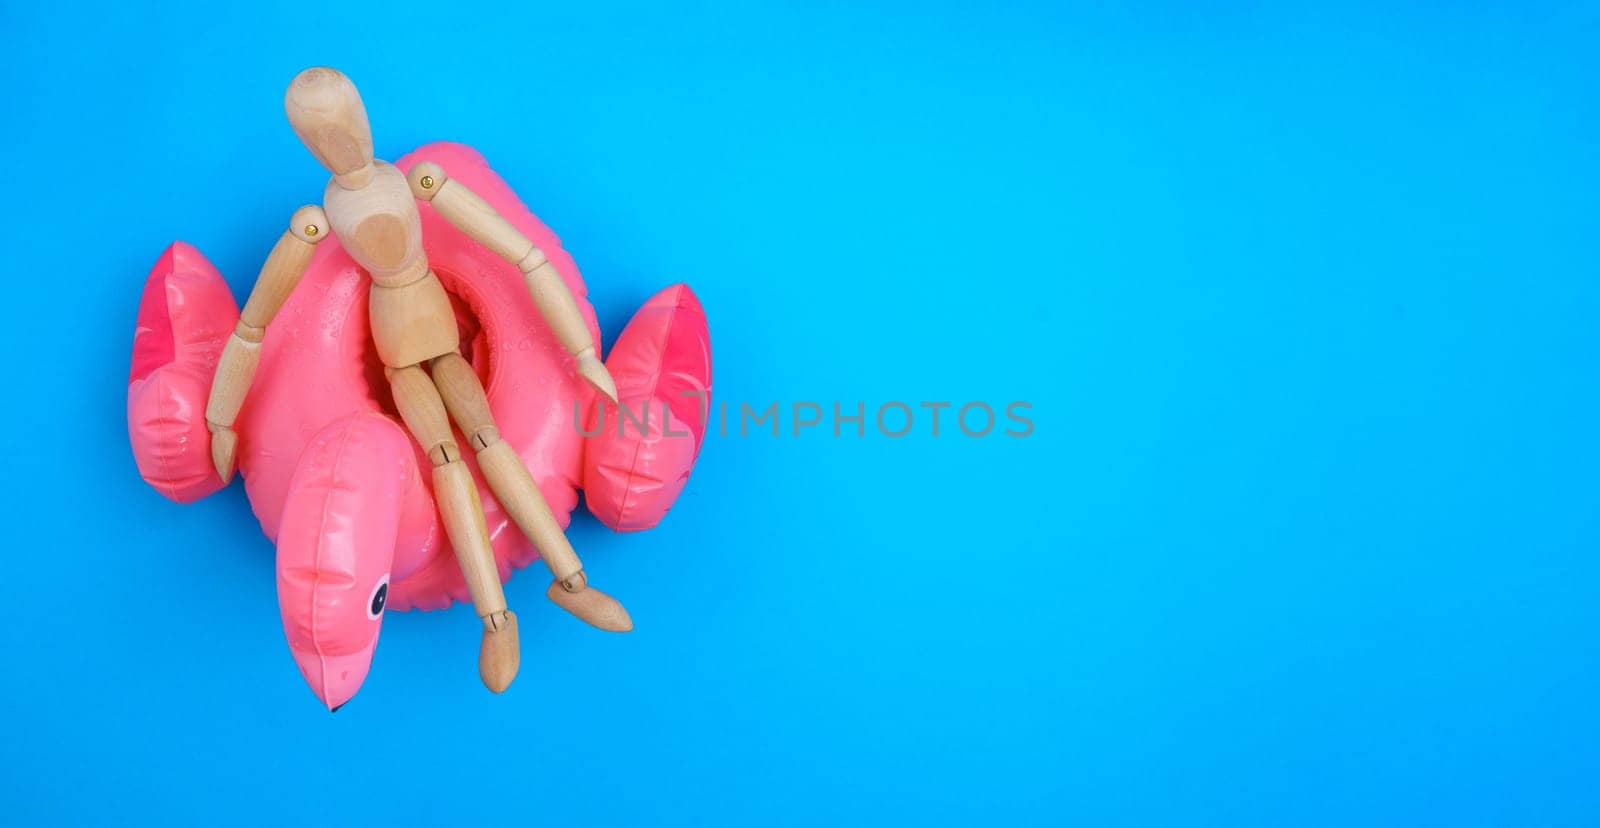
(509, 479)
(457, 496)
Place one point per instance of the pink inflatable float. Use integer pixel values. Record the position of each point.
(331, 472)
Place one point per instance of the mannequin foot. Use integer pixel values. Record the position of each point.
(500, 653)
(574, 595)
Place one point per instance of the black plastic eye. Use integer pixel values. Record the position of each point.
(379, 596)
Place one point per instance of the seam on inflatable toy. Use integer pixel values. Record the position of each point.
(161, 330)
(655, 382)
(322, 536)
(167, 410)
(167, 487)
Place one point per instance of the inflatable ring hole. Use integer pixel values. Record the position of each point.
(372, 374)
(474, 347)
(474, 339)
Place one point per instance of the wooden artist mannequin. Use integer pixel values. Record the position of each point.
(370, 206)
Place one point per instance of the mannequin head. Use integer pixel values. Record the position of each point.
(326, 112)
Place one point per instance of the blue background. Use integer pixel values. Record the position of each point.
(1304, 301)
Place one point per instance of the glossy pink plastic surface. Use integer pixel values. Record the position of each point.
(632, 469)
(332, 475)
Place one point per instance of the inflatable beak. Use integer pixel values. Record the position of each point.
(335, 678)
(335, 549)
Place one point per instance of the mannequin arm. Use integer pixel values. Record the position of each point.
(469, 213)
(237, 367)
